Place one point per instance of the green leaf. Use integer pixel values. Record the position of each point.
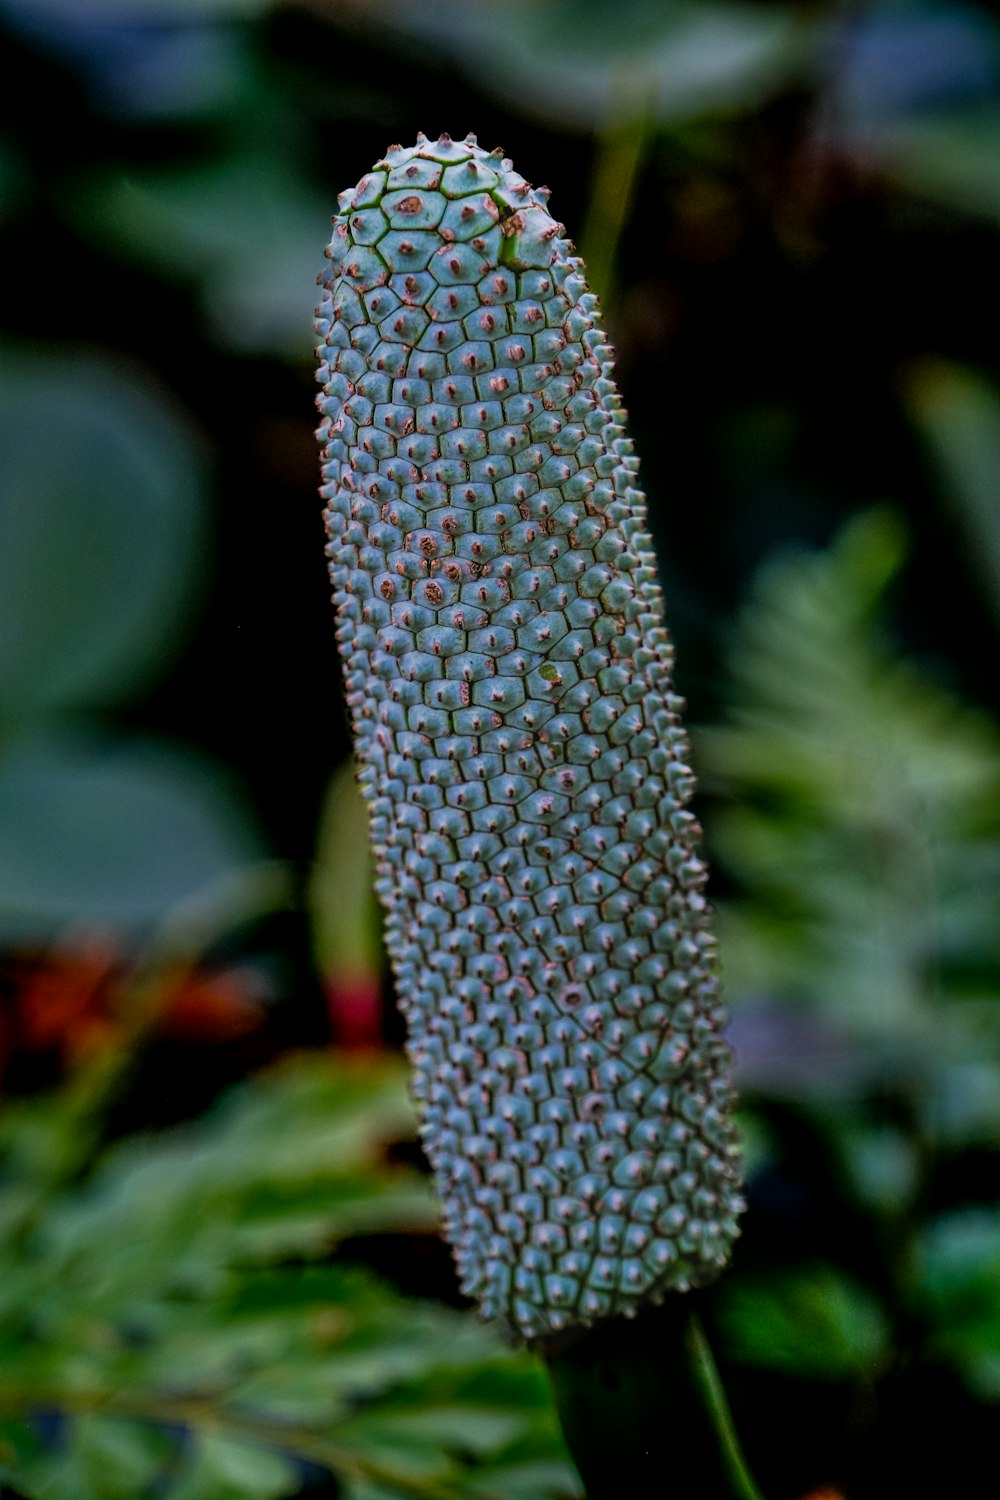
(113, 834)
(371, 1489)
(222, 1468)
(147, 1296)
(538, 1479)
(99, 1458)
(861, 801)
(300, 1148)
(102, 532)
(194, 220)
(814, 1322)
(393, 1456)
(947, 156)
(580, 65)
(476, 1430)
(882, 1164)
(957, 413)
(958, 1264)
(19, 1444)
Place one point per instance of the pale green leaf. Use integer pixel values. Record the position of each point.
(79, 819)
(102, 520)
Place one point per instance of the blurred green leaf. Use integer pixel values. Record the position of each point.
(969, 1101)
(100, 1459)
(949, 156)
(861, 822)
(863, 802)
(19, 1444)
(288, 1166)
(246, 226)
(813, 1322)
(882, 1164)
(369, 1489)
(191, 1356)
(115, 834)
(464, 1429)
(589, 65)
(957, 413)
(224, 1469)
(102, 532)
(400, 1458)
(538, 1479)
(959, 1284)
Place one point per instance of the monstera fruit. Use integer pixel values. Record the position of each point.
(508, 675)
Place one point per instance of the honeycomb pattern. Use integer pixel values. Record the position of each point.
(508, 676)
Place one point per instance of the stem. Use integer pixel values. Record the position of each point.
(621, 147)
(706, 1373)
(643, 1410)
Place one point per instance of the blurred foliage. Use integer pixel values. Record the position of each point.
(957, 412)
(102, 522)
(101, 534)
(578, 62)
(859, 811)
(792, 214)
(79, 819)
(177, 1321)
(864, 805)
(194, 222)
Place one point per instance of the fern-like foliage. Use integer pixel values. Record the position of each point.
(859, 818)
(179, 1325)
(862, 801)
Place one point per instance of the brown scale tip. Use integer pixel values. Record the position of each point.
(421, 138)
(444, 139)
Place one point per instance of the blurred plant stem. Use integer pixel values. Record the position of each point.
(705, 1374)
(641, 1403)
(620, 149)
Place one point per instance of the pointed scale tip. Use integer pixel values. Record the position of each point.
(444, 139)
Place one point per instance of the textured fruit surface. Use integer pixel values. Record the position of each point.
(508, 677)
